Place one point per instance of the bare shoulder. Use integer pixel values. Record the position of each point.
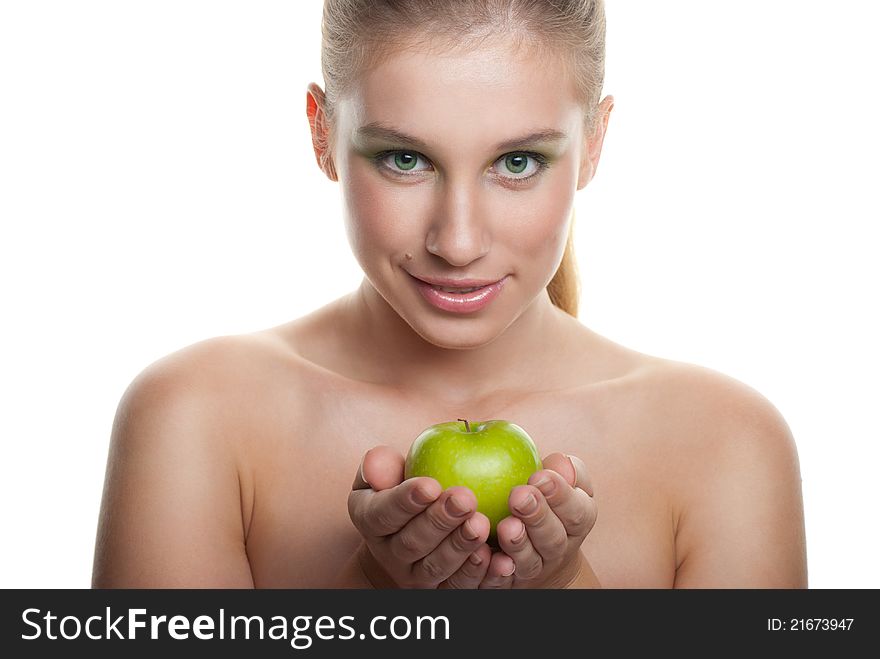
(227, 380)
(692, 394)
(214, 365)
(174, 511)
(734, 477)
(719, 418)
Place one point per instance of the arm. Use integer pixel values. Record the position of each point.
(352, 574)
(586, 578)
(171, 513)
(741, 523)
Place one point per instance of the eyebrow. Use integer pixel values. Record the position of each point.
(378, 130)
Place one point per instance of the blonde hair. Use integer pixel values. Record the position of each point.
(358, 34)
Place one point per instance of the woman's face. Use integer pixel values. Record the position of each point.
(436, 183)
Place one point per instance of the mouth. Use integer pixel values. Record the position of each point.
(471, 295)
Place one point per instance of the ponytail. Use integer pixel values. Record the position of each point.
(564, 288)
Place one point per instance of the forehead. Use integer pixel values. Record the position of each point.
(485, 94)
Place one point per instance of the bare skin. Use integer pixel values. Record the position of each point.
(274, 459)
(233, 460)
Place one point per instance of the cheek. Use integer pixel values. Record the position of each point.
(539, 223)
(378, 217)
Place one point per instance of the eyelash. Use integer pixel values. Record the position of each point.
(541, 161)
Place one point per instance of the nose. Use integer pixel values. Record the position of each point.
(459, 232)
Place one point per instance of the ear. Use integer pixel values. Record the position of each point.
(593, 145)
(315, 103)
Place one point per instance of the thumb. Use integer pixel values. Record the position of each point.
(571, 468)
(381, 468)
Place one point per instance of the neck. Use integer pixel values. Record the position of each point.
(518, 359)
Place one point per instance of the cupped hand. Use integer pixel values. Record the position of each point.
(416, 535)
(541, 540)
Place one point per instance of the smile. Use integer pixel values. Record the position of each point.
(459, 300)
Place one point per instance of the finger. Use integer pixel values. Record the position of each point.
(381, 468)
(572, 468)
(377, 514)
(576, 510)
(451, 554)
(500, 572)
(420, 536)
(546, 532)
(513, 537)
(472, 571)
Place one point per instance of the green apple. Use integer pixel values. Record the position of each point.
(489, 457)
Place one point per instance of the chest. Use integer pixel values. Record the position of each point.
(299, 531)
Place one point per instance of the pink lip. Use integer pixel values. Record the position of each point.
(460, 302)
(457, 283)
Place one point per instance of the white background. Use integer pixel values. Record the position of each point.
(157, 187)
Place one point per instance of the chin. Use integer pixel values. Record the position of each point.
(458, 334)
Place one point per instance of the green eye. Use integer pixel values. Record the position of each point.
(516, 163)
(405, 161)
(523, 166)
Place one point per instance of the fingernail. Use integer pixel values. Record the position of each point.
(475, 559)
(421, 497)
(468, 532)
(455, 508)
(509, 571)
(573, 469)
(361, 469)
(522, 536)
(528, 506)
(547, 485)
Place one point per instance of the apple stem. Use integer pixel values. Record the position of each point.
(467, 426)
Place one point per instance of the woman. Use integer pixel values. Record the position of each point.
(459, 134)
